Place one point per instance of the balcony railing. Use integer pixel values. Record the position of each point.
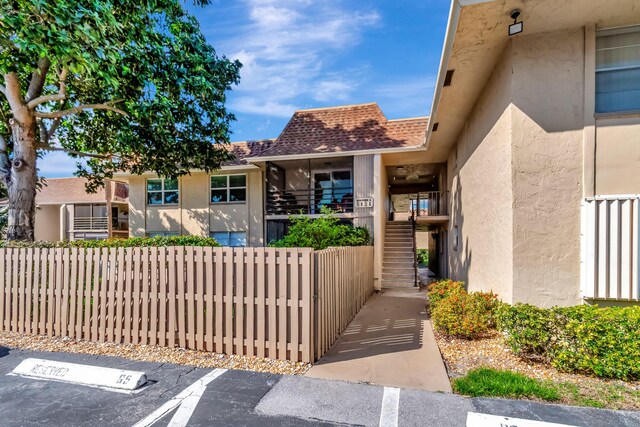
(309, 200)
(430, 203)
(90, 223)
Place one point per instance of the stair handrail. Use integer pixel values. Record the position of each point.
(415, 252)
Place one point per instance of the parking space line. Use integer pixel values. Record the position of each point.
(187, 399)
(390, 405)
(475, 419)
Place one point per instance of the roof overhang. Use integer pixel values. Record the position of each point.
(476, 38)
(248, 166)
(305, 156)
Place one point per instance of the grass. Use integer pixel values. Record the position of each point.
(496, 383)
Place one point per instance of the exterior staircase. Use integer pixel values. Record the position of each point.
(398, 266)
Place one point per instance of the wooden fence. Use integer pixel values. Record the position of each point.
(245, 301)
(344, 282)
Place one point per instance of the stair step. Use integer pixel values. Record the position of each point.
(397, 285)
(396, 267)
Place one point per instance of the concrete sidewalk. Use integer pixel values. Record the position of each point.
(390, 343)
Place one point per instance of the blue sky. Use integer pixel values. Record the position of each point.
(300, 54)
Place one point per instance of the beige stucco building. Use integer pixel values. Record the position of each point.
(66, 211)
(351, 159)
(525, 180)
(533, 126)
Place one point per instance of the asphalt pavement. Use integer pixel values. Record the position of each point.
(180, 396)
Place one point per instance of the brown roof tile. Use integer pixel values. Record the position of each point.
(244, 149)
(345, 128)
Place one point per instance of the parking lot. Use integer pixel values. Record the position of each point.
(181, 395)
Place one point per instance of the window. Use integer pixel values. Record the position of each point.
(618, 70)
(162, 233)
(333, 189)
(230, 238)
(162, 191)
(228, 188)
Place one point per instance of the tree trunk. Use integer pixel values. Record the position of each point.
(22, 179)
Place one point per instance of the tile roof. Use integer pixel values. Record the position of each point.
(345, 128)
(67, 190)
(244, 149)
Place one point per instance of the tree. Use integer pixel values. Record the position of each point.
(131, 86)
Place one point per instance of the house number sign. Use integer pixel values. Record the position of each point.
(364, 202)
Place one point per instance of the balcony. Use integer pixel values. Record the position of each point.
(426, 206)
(429, 203)
(309, 200)
(96, 223)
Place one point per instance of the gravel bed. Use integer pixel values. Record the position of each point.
(462, 355)
(146, 353)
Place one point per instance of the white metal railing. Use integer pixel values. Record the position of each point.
(610, 236)
(91, 223)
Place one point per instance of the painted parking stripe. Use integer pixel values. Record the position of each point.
(475, 419)
(390, 405)
(187, 399)
(88, 375)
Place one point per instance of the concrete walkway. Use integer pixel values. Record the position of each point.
(389, 343)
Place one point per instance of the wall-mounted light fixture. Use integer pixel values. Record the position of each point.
(516, 27)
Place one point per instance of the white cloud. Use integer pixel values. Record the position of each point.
(286, 51)
(406, 96)
(56, 164)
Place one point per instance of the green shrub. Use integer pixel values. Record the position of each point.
(496, 383)
(465, 315)
(441, 289)
(598, 341)
(118, 243)
(528, 328)
(322, 232)
(422, 256)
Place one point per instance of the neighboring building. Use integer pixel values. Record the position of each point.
(65, 211)
(541, 136)
(351, 159)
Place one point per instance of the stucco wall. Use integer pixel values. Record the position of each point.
(479, 182)
(380, 215)
(194, 215)
(618, 155)
(546, 160)
(47, 226)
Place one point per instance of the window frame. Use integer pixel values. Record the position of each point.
(162, 192)
(228, 189)
(611, 32)
(228, 233)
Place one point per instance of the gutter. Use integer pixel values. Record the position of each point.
(305, 156)
(452, 27)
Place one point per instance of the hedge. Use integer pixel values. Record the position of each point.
(600, 341)
(456, 312)
(118, 243)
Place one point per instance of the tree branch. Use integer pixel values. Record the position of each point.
(60, 96)
(76, 110)
(44, 134)
(3, 90)
(5, 169)
(38, 78)
(77, 153)
(54, 126)
(14, 97)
